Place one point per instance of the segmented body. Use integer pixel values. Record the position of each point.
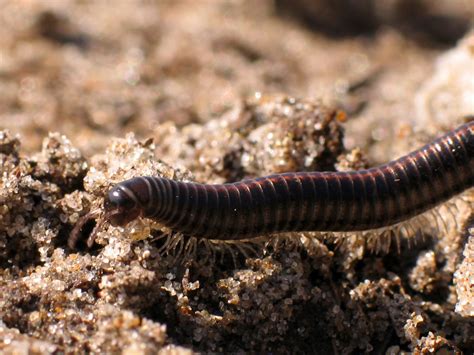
(311, 201)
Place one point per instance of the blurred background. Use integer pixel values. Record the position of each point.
(96, 69)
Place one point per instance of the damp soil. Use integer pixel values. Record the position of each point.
(217, 91)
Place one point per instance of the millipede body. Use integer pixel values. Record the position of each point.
(303, 201)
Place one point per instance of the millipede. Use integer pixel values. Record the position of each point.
(360, 200)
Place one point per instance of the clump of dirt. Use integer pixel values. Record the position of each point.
(463, 279)
(261, 136)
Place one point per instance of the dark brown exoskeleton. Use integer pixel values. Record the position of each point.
(302, 201)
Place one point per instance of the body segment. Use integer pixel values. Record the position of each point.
(304, 201)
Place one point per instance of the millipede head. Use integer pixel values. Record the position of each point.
(121, 206)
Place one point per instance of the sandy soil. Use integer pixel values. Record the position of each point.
(215, 91)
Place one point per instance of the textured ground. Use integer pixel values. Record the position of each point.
(216, 91)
